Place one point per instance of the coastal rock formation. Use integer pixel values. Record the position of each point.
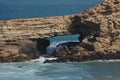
(18, 35)
(99, 28)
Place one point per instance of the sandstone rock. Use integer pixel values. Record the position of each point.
(99, 27)
(28, 48)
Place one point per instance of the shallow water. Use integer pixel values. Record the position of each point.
(60, 71)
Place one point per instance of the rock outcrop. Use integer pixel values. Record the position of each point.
(99, 27)
(100, 30)
(20, 36)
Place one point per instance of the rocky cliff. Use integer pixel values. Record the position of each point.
(18, 33)
(99, 27)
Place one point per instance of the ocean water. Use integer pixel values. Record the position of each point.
(10, 9)
(60, 71)
(62, 39)
(54, 41)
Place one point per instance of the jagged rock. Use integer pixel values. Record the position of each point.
(69, 45)
(100, 29)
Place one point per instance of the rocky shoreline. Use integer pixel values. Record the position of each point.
(99, 27)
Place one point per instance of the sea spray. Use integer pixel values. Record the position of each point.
(42, 59)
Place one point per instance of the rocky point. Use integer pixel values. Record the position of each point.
(99, 28)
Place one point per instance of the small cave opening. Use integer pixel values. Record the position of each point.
(42, 44)
(49, 45)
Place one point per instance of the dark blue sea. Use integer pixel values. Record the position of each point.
(10, 9)
(36, 69)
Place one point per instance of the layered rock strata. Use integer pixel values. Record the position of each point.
(23, 34)
(99, 27)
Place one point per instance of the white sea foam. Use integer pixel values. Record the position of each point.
(42, 59)
(112, 60)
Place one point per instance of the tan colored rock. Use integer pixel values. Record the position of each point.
(99, 27)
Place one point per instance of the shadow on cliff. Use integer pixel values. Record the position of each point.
(84, 28)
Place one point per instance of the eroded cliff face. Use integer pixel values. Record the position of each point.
(99, 27)
(19, 29)
(107, 17)
(23, 33)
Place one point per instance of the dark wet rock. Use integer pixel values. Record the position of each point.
(69, 45)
